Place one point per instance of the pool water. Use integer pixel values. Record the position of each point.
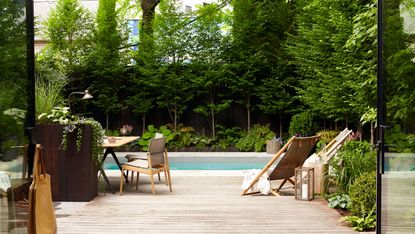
(217, 163)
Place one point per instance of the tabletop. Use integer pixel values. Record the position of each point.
(119, 141)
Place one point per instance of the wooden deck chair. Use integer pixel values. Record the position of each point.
(292, 155)
(319, 161)
(157, 161)
(333, 146)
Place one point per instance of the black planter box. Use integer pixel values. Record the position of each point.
(73, 174)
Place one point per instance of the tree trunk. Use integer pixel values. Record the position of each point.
(146, 32)
(212, 116)
(106, 120)
(280, 119)
(175, 119)
(372, 133)
(248, 110)
(143, 119)
(148, 7)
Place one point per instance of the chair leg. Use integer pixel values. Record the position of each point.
(136, 182)
(159, 176)
(121, 181)
(132, 179)
(165, 177)
(169, 177)
(152, 184)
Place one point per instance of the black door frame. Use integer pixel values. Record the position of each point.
(381, 117)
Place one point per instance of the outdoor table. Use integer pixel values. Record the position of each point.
(109, 149)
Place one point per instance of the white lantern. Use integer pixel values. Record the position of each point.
(304, 183)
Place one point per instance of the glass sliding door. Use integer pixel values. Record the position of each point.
(15, 86)
(397, 117)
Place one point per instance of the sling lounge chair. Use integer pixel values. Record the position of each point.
(156, 162)
(319, 161)
(292, 155)
(333, 146)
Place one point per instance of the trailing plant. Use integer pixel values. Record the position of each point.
(341, 201)
(360, 224)
(354, 159)
(303, 124)
(255, 139)
(363, 194)
(96, 141)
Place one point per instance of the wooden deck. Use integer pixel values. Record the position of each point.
(198, 204)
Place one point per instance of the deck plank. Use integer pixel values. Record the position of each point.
(209, 204)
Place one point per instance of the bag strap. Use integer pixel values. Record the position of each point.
(42, 163)
(38, 165)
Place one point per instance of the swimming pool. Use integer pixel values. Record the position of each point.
(210, 163)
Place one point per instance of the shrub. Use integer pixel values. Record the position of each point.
(255, 139)
(325, 137)
(360, 224)
(151, 132)
(227, 137)
(339, 201)
(354, 159)
(303, 124)
(363, 194)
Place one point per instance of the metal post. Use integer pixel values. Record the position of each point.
(30, 62)
(381, 119)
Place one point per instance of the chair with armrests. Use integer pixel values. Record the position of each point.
(291, 155)
(157, 161)
(133, 157)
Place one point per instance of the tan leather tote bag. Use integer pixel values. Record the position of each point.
(42, 218)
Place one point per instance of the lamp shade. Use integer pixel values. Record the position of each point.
(87, 95)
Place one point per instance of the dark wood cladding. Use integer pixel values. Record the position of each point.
(73, 174)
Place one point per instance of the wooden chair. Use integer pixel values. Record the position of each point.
(292, 155)
(320, 160)
(133, 157)
(157, 161)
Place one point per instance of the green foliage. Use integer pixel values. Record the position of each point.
(227, 137)
(325, 137)
(112, 133)
(258, 65)
(151, 132)
(211, 82)
(363, 194)
(255, 140)
(339, 201)
(334, 50)
(97, 140)
(360, 224)
(398, 141)
(49, 88)
(68, 30)
(354, 159)
(303, 124)
(58, 114)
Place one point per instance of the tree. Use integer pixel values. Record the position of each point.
(174, 80)
(106, 61)
(334, 48)
(68, 30)
(207, 63)
(257, 60)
